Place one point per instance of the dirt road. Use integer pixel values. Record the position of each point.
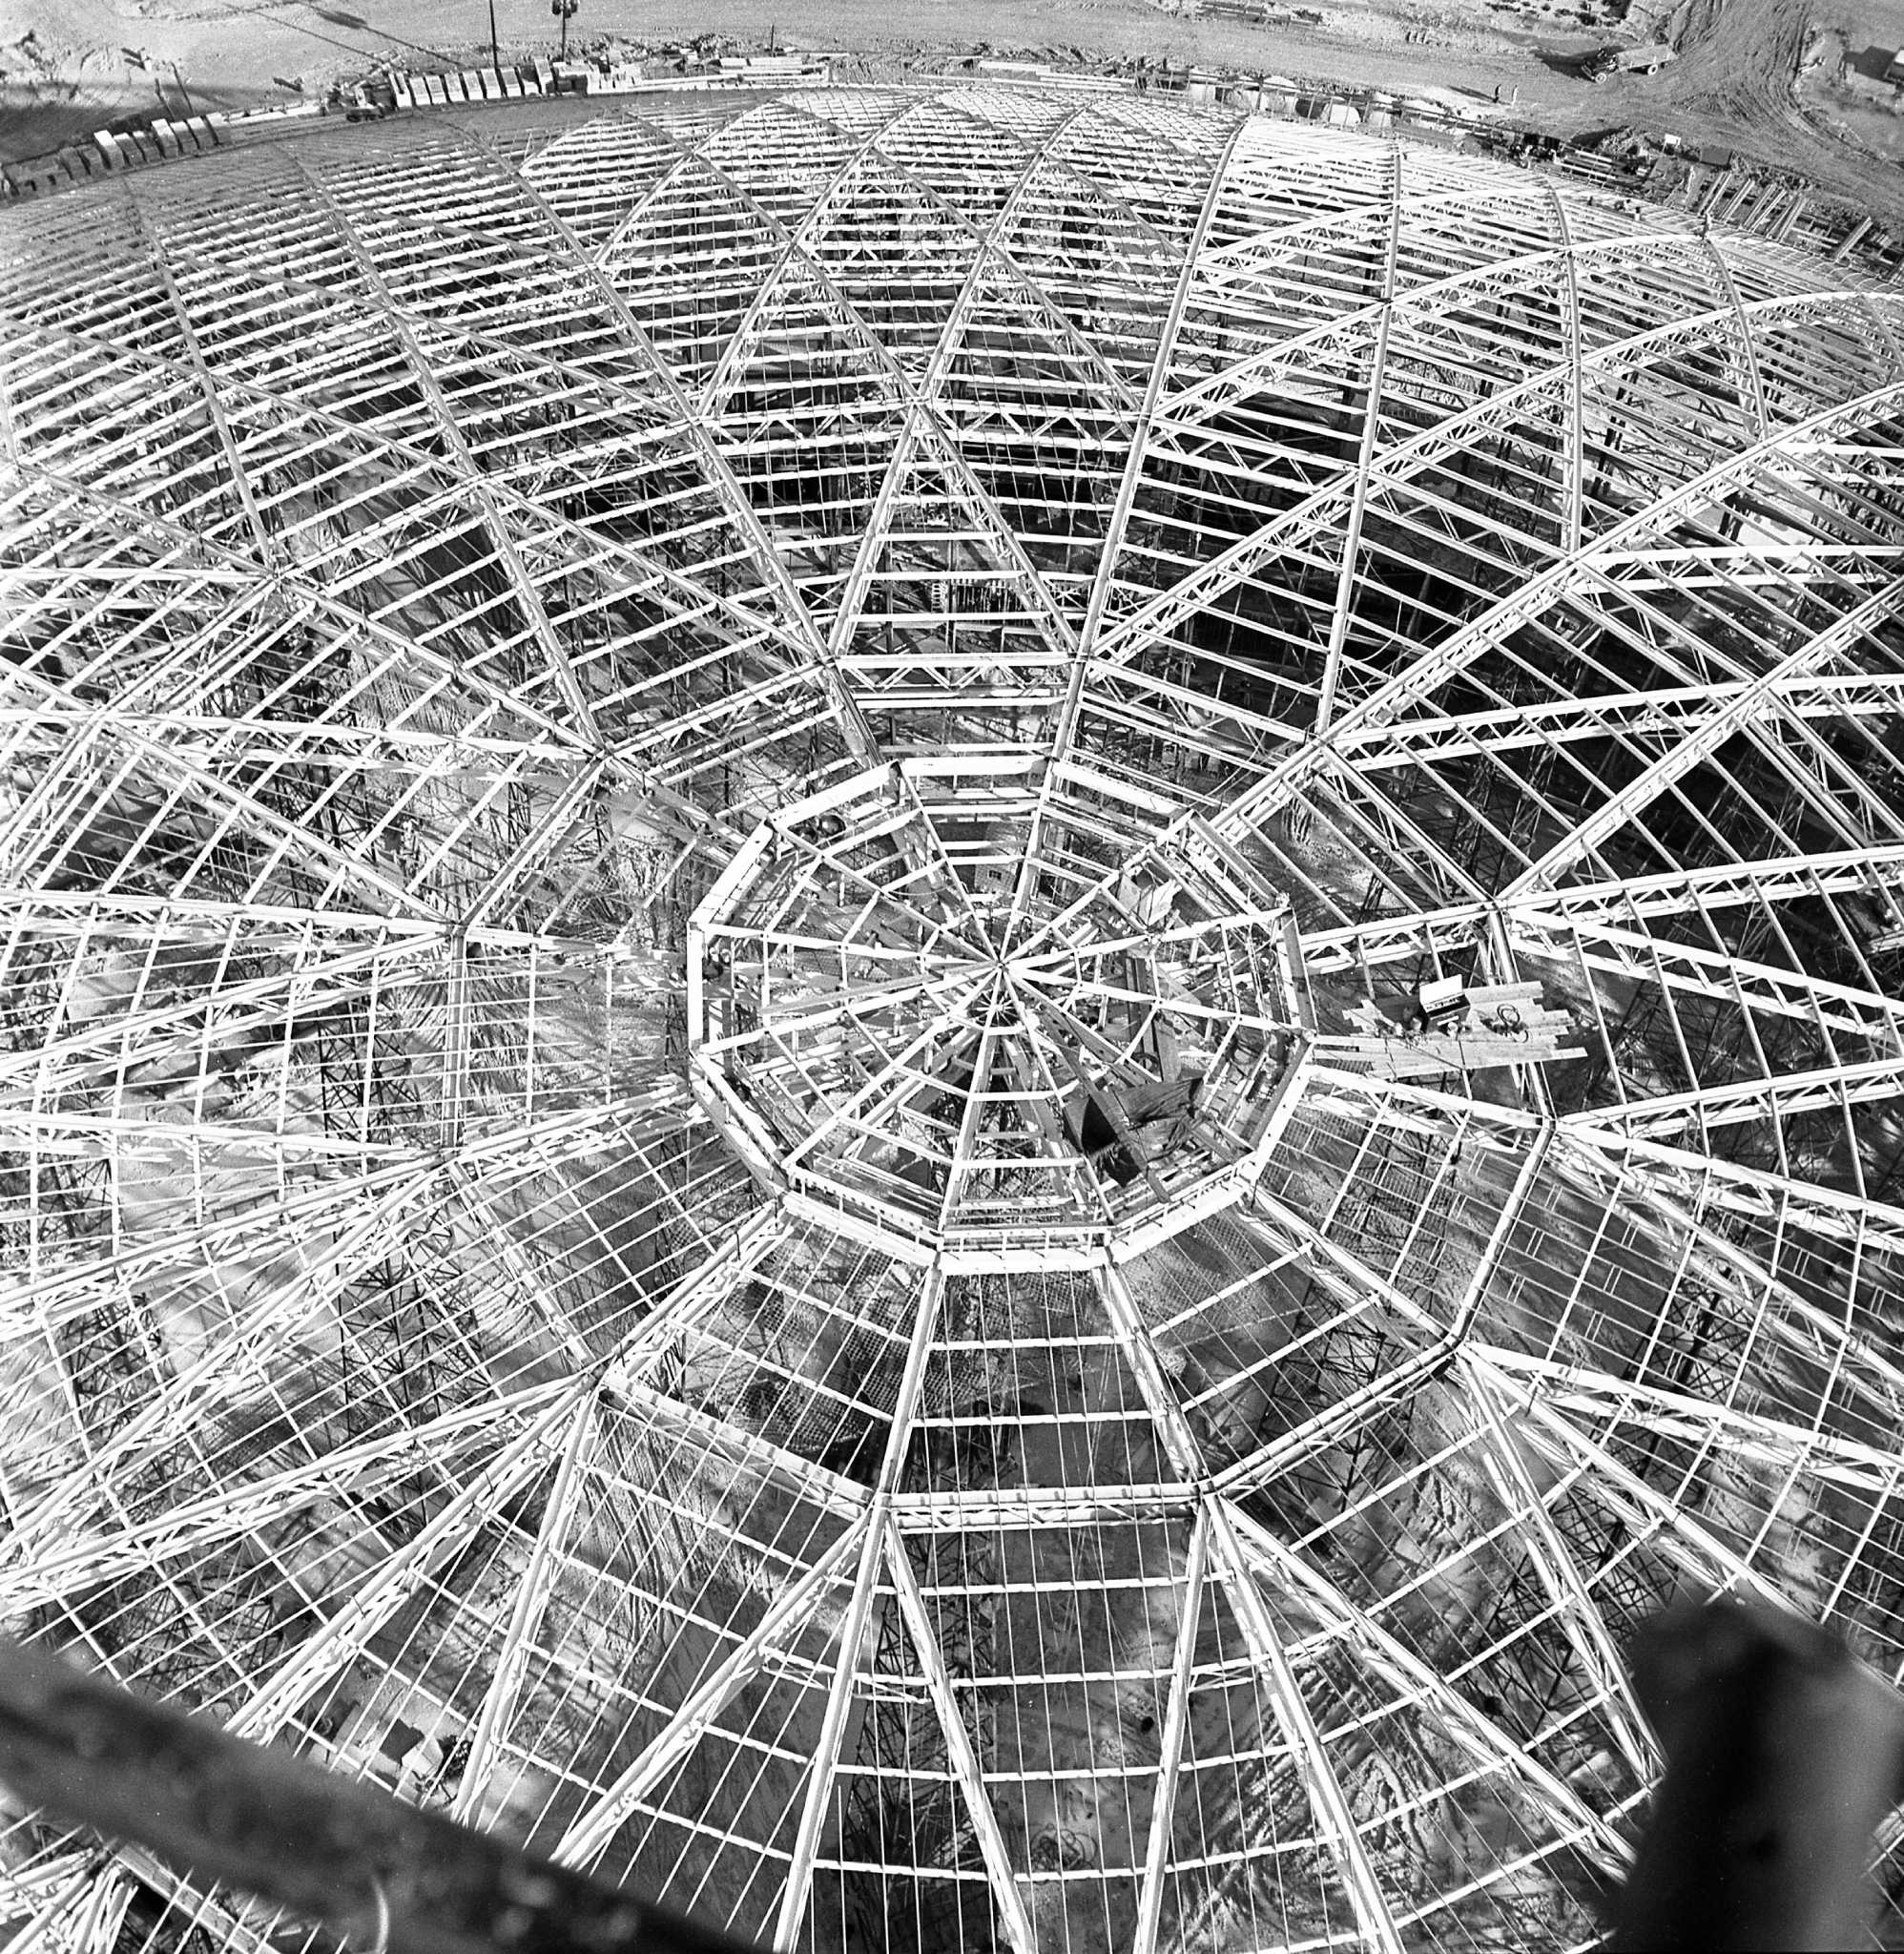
(1733, 85)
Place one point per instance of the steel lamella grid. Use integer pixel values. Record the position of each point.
(721, 826)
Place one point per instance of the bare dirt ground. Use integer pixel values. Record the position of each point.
(1735, 84)
(67, 66)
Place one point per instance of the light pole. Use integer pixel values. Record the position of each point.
(564, 11)
(495, 53)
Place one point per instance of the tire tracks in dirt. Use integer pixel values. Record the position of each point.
(1735, 84)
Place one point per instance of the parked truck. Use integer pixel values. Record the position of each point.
(1646, 60)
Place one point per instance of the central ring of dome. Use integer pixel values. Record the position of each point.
(997, 1008)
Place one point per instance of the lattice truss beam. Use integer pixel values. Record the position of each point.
(718, 826)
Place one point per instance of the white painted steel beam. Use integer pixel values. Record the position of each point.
(1375, 1917)
(790, 1614)
(1585, 1628)
(343, 1637)
(968, 1768)
(1351, 542)
(1782, 1096)
(855, 559)
(534, 1587)
(1568, 1812)
(878, 1547)
(1161, 1841)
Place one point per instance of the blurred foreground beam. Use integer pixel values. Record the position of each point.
(295, 1836)
(1783, 1753)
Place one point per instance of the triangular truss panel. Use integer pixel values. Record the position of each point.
(696, 257)
(942, 1011)
(1027, 388)
(881, 212)
(1108, 263)
(972, 162)
(596, 175)
(1371, 1731)
(947, 592)
(1594, 1278)
(1365, 1178)
(683, 1635)
(1029, 1384)
(1442, 1526)
(790, 159)
(808, 1354)
(1230, 1846)
(900, 1864)
(1039, 1473)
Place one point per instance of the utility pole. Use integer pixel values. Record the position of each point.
(495, 53)
(564, 11)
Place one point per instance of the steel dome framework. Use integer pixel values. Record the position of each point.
(721, 827)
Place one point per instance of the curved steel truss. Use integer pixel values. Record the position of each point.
(942, 1013)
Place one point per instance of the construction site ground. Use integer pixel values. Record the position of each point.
(1782, 86)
